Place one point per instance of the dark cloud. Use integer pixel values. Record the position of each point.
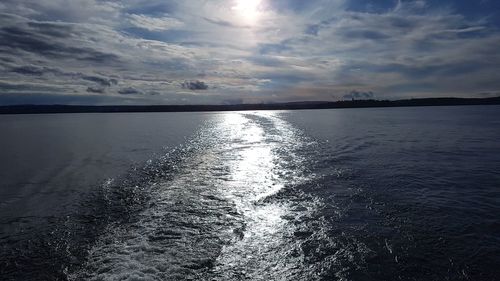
(44, 39)
(6, 59)
(96, 90)
(27, 87)
(299, 50)
(358, 95)
(14, 66)
(58, 30)
(30, 70)
(50, 98)
(130, 91)
(222, 23)
(36, 70)
(104, 82)
(194, 85)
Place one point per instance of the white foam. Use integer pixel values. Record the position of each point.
(210, 220)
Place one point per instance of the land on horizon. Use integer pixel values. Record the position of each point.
(57, 108)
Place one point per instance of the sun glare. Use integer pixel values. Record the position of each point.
(247, 9)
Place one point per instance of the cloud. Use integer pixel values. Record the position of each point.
(30, 70)
(154, 23)
(75, 11)
(313, 29)
(357, 95)
(300, 6)
(364, 34)
(151, 7)
(292, 50)
(104, 82)
(97, 90)
(194, 85)
(223, 23)
(50, 41)
(489, 94)
(130, 91)
(8, 87)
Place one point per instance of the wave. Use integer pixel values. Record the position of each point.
(209, 216)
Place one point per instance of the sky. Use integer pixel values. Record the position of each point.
(246, 51)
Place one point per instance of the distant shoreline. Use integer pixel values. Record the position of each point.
(41, 109)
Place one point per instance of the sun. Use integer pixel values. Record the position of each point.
(249, 10)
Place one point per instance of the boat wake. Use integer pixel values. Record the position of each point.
(217, 217)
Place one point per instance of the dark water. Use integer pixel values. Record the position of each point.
(355, 194)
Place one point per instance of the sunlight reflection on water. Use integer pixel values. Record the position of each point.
(257, 172)
(215, 219)
(300, 195)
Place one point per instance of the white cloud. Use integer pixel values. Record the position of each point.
(154, 23)
(293, 49)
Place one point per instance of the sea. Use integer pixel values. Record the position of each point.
(409, 193)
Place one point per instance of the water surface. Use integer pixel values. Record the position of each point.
(352, 194)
